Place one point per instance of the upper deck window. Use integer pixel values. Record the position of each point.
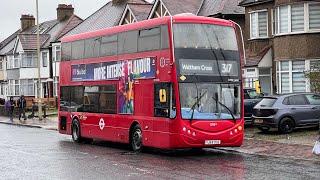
(205, 36)
(155, 38)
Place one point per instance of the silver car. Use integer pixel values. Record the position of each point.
(286, 112)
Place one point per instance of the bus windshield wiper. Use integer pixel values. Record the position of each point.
(196, 103)
(228, 109)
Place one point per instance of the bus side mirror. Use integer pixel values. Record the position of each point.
(163, 95)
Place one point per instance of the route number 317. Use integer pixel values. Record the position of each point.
(226, 68)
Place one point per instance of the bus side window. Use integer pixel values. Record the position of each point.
(164, 37)
(164, 105)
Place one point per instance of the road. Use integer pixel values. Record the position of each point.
(31, 153)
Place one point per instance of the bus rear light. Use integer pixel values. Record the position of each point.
(184, 129)
(231, 133)
(194, 134)
(235, 130)
(189, 132)
(240, 128)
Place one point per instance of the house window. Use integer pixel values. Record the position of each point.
(9, 62)
(259, 24)
(1, 64)
(314, 16)
(291, 76)
(29, 59)
(298, 76)
(283, 12)
(293, 18)
(44, 59)
(57, 53)
(13, 88)
(297, 18)
(27, 87)
(16, 87)
(16, 61)
(10, 87)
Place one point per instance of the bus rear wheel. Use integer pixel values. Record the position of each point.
(76, 134)
(136, 138)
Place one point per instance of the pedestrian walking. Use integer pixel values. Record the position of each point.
(22, 107)
(9, 108)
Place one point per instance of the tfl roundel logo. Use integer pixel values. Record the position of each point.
(101, 124)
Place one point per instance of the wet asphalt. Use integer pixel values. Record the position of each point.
(31, 153)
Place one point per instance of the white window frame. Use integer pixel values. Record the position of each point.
(290, 71)
(34, 59)
(276, 31)
(27, 85)
(55, 51)
(257, 14)
(45, 62)
(12, 87)
(307, 13)
(11, 62)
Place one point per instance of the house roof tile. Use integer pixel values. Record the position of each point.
(213, 7)
(7, 45)
(107, 16)
(141, 11)
(182, 6)
(73, 22)
(29, 41)
(253, 2)
(254, 61)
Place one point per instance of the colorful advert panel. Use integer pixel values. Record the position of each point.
(125, 71)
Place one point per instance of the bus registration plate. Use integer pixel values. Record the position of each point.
(212, 142)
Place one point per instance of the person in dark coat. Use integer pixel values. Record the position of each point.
(22, 107)
(10, 107)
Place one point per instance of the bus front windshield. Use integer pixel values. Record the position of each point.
(209, 101)
(208, 71)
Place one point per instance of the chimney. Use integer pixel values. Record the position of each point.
(27, 21)
(64, 12)
(118, 2)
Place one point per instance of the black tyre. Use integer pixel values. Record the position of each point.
(286, 125)
(136, 138)
(76, 133)
(264, 129)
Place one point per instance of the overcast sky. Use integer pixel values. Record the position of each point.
(11, 10)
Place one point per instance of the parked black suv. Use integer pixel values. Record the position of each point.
(251, 98)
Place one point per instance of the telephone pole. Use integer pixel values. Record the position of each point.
(38, 55)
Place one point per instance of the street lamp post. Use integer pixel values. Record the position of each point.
(38, 55)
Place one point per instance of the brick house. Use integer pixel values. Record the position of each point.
(281, 42)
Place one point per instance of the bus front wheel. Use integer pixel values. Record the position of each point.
(136, 138)
(76, 135)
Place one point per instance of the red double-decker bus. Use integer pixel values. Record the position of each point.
(169, 83)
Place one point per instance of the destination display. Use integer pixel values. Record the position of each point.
(135, 69)
(208, 67)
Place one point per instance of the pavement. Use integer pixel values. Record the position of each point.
(49, 123)
(298, 150)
